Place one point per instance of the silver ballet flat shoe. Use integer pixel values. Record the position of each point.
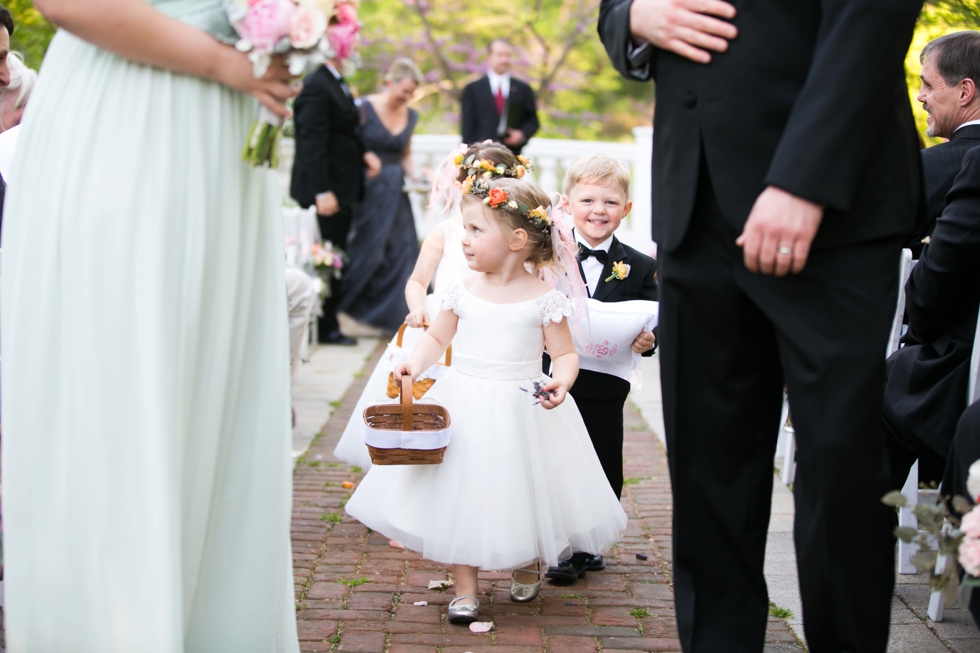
(522, 593)
(463, 614)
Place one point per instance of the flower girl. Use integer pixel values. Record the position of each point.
(501, 497)
(441, 259)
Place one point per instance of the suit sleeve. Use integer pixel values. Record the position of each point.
(833, 129)
(531, 125)
(614, 32)
(468, 118)
(935, 289)
(651, 292)
(311, 167)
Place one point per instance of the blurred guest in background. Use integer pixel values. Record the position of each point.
(383, 244)
(498, 106)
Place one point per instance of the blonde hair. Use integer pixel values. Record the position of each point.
(597, 169)
(403, 68)
(541, 251)
(495, 152)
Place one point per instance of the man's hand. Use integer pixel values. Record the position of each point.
(778, 234)
(326, 204)
(643, 342)
(373, 163)
(514, 137)
(686, 27)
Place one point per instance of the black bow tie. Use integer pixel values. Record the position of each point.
(584, 253)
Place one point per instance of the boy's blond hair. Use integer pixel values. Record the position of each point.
(597, 169)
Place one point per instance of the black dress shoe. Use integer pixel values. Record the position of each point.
(337, 338)
(594, 563)
(568, 571)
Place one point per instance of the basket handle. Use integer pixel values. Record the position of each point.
(406, 402)
(401, 334)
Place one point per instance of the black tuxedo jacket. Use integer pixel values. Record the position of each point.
(927, 379)
(811, 97)
(640, 283)
(481, 121)
(329, 153)
(940, 165)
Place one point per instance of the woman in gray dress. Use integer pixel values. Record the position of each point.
(383, 244)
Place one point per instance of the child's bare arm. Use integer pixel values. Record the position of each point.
(418, 283)
(564, 362)
(431, 347)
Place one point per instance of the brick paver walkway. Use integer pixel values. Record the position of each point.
(357, 593)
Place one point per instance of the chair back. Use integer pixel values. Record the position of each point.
(972, 391)
(904, 270)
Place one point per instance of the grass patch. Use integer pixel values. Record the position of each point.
(778, 612)
(334, 639)
(571, 596)
(331, 484)
(356, 470)
(353, 582)
(639, 613)
(333, 518)
(634, 480)
(335, 404)
(331, 464)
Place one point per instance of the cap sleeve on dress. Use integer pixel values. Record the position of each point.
(454, 292)
(553, 306)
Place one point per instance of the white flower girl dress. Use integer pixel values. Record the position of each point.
(518, 481)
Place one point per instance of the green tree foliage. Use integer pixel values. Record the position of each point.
(32, 31)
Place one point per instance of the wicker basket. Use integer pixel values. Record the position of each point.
(406, 433)
(422, 386)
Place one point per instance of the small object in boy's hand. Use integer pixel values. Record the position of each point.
(640, 556)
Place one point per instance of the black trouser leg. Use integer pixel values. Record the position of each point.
(722, 395)
(335, 229)
(728, 339)
(604, 420)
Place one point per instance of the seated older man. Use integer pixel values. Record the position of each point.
(950, 94)
(925, 391)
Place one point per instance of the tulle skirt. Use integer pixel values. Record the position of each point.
(518, 482)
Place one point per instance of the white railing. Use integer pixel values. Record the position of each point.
(550, 157)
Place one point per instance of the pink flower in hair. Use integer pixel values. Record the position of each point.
(267, 22)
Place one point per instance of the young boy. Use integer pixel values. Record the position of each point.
(597, 190)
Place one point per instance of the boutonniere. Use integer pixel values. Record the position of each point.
(619, 271)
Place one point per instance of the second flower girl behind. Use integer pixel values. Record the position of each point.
(501, 497)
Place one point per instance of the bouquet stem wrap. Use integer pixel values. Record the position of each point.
(262, 145)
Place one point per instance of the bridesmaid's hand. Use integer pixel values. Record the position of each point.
(272, 89)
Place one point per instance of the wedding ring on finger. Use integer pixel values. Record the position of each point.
(785, 251)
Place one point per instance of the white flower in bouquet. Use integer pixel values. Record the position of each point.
(973, 482)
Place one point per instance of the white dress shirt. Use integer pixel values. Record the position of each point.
(592, 267)
(499, 81)
(971, 122)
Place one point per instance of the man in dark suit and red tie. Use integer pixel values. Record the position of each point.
(498, 106)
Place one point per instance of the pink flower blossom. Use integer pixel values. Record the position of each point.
(347, 13)
(969, 556)
(971, 523)
(307, 27)
(267, 22)
(342, 38)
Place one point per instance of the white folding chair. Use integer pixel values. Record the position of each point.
(936, 600)
(788, 434)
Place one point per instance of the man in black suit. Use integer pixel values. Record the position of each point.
(790, 148)
(498, 106)
(950, 94)
(925, 393)
(328, 170)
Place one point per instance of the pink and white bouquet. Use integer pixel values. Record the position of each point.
(305, 33)
(327, 263)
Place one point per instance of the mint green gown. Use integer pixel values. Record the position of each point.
(145, 362)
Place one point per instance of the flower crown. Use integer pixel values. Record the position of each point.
(497, 198)
(486, 168)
